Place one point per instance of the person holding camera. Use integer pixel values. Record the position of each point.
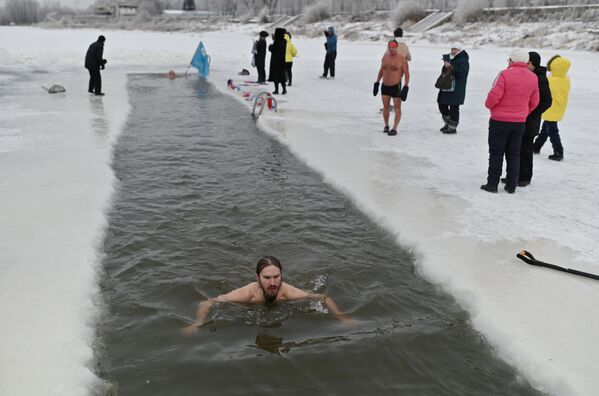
(93, 63)
(455, 70)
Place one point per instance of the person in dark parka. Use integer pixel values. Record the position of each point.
(533, 121)
(260, 57)
(449, 101)
(277, 50)
(93, 63)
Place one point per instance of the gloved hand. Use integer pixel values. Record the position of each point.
(404, 93)
(375, 88)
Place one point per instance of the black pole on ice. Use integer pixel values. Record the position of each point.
(528, 258)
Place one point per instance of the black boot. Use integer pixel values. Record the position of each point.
(487, 187)
(556, 156)
(445, 120)
(451, 127)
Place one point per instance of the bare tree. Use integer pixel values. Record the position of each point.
(22, 12)
(189, 5)
(270, 4)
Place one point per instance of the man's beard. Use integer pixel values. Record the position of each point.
(270, 299)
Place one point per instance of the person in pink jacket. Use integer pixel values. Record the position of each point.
(515, 93)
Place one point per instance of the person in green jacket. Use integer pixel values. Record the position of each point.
(559, 84)
(290, 53)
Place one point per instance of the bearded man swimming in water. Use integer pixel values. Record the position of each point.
(269, 289)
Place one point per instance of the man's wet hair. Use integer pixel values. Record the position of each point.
(267, 261)
(398, 32)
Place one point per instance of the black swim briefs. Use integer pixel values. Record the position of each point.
(391, 90)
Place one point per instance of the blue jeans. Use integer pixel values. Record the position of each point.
(549, 129)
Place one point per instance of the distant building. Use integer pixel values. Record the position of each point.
(117, 9)
(125, 10)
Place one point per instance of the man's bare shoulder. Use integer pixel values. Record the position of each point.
(290, 293)
(244, 295)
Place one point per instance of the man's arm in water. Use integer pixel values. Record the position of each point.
(241, 296)
(293, 293)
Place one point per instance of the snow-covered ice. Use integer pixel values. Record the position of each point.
(422, 186)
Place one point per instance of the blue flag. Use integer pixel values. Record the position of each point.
(201, 60)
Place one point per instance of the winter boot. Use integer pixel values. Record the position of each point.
(451, 127)
(445, 120)
(556, 156)
(489, 188)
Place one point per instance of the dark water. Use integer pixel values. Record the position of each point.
(203, 196)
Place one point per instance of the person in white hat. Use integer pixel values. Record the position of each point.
(457, 65)
(514, 95)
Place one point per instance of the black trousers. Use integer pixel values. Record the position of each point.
(288, 66)
(95, 81)
(453, 111)
(282, 85)
(505, 139)
(329, 63)
(261, 72)
(533, 123)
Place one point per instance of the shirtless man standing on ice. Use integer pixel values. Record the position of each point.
(268, 289)
(394, 67)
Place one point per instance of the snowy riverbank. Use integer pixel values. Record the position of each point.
(422, 186)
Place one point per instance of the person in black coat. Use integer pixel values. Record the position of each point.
(276, 73)
(260, 57)
(457, 63)
(93, 63)
(533, 121)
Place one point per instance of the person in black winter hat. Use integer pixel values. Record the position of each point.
(93, 63)
(533, 121)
